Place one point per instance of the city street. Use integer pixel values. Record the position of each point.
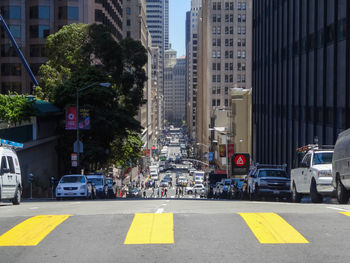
(165, 230)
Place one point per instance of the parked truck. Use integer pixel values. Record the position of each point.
(312, 173)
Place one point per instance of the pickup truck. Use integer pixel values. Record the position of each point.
(313, 175)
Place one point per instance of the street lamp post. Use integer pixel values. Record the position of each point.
(79, 90)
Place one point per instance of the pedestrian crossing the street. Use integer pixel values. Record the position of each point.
(157, 228)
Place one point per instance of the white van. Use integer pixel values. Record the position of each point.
(10, 174)
(341, 167)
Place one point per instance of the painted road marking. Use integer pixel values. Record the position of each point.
(151, 229)
(345, 213)
(31, 231)
(337, 208)
(270, 228)
(160, 210)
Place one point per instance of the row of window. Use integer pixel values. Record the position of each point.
(228, 54)
(217, 90)
(230, 6)
(241, 18)
(216, 42)
(228, 66)
(40, 12)
(228, 78)
(217, 102)
(35, 31)
(216, 30)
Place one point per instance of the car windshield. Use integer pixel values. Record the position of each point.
(322, 158)
(72, 179)
(272, 173)
(96, 181)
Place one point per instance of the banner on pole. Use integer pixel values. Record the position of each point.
(71, 118)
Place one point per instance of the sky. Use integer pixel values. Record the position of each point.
(177, 23)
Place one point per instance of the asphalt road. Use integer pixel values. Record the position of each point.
(171, 230)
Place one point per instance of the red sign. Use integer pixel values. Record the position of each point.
(240, 160)
(71, 118)
(230, 150)
(147, 152)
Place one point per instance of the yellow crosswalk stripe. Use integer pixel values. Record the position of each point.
(31, 231)
(345, 213)
(151, 229)
(270, 228)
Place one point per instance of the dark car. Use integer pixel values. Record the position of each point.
(133, 193)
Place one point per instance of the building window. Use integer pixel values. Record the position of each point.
(68, 12)
(7, 87)
(243, 54)
(39, 31)
(128, 22)
(15, 30)
(218, 102)
(213, 103)
(243, 78)
(243, 18)
(213, 90)
(238, 54)
(11, 12)
(226, 102)
(243, 66)
(243, 42)
(218, 90)
(239, 19)
(226, 90)
(239, 66)
(227, 6)
(11, 69)
(37, 50)
(128, 11)
(39, 12)
(243, 6)
(231, 5)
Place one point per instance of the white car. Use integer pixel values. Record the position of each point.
(74, 185)
(197, 188)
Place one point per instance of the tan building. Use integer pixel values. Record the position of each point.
(157, 93)
(31, 21)
(135, 27)
(224, 59)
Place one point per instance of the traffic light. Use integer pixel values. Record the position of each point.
(30, 177)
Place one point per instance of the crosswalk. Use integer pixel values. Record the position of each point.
(157, 228)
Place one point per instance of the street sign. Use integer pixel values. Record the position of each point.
(240, 160)
(74, 163)
(240, 163)
(81, 147)
(210, 156)
(74, 157)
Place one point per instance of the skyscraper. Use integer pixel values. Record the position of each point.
(192, 67)
(224, 44)
(301, 75)
(157, 12)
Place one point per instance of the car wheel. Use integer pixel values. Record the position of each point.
(296, 197)
(17, 199)
(190, 192)
(343, 195)
(314, 195)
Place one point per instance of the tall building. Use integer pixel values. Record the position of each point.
(157, 97)
(157, 12)
(224, 55)
(174, 88)
(135, 27)
(31, 21)
(192, 66)
(301, 75)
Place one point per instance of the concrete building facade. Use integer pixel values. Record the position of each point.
(224, 58)
(31, 21)
(135, 27)
(301, 75)
(192, 67)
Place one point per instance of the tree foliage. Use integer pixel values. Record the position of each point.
(15, 108)
(80, 55)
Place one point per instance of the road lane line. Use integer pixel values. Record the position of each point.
(270, 228)
(336, 208)
(32, 231)
(160, 210)
(151, 229)
(345, 213)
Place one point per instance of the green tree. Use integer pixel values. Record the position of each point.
(96, 57)
(15, 108)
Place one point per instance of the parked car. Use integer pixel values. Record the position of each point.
(164, 183)
(266, 180)
(341, 167)
(313, 175)
(100, 183)
(197, 188)
(10, 174)
(74, 185)
(112, 191)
